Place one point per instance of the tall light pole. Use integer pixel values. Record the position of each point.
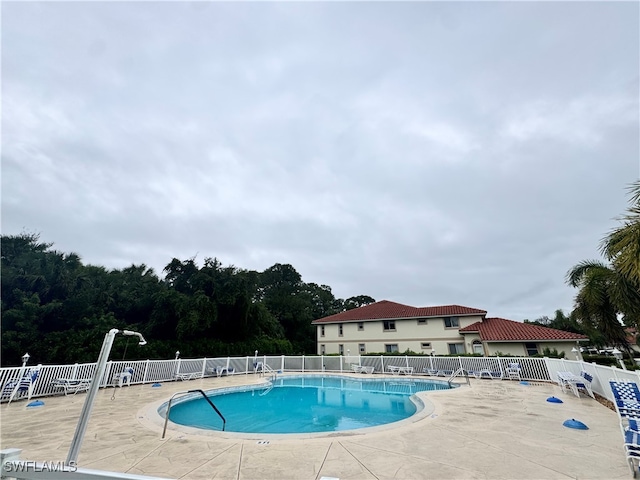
(74, 450)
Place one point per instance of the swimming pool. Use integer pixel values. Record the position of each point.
(305, 404)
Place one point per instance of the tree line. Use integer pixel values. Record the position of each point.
(58, 309)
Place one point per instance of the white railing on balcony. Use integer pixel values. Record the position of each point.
(151, 371)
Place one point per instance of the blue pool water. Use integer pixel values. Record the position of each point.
(305, 404)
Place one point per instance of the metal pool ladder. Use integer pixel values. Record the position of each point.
(166, 418)
(460, 371)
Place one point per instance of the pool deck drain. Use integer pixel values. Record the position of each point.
(493, 430)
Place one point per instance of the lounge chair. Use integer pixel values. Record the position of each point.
(188, 376)
(627, 398)
(486, 373)
(221, 371)
(71, 386)
(632, 450)
(361, 369)
(27, 383)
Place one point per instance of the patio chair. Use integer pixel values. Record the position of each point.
(513, 371)
(123, 378)
(586, 384)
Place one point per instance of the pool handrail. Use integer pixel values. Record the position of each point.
(460, 371)
(166, 418)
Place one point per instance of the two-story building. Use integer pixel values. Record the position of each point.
(390, 327)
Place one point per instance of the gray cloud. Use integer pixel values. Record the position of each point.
(427, 153)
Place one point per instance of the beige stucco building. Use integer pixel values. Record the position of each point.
(450, 329)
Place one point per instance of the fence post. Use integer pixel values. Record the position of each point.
(460, 362)
(382, 362)
(302, 363)
(74, 375)
(282, 363)
(204, 366)
(146, 369)
(108, 375)
(548, 367)
(246, 366)
(340, 363)
(597, 375)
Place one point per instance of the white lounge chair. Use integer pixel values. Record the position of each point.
(486, 373)
(20, 385)
(361, 368)
(188, 376)
(222, 371)
(71, 386)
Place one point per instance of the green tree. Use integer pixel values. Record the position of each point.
(595, 304)
(621, 247)
(359, 301)
(611, 292)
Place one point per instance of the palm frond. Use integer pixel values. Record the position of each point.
(577, 275)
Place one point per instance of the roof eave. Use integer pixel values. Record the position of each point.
(320, 320)
(538, 340)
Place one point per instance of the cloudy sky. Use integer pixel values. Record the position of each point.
(427, 153)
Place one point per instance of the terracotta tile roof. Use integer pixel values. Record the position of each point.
(384, 309)
(501, 329)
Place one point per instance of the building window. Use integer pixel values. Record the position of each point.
(477, 347)
(389, 325)
(340, 330)
(322, 331)
(360, 326)
(425, 345)
(361, 348)
(456, 348)
(341, 349)
(451, 322)
(322, 349)
(391, 348)
(532, 349)
(422, 321)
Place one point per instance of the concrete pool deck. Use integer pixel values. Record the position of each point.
(490, 430)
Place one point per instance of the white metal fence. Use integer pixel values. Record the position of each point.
(151, 371)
